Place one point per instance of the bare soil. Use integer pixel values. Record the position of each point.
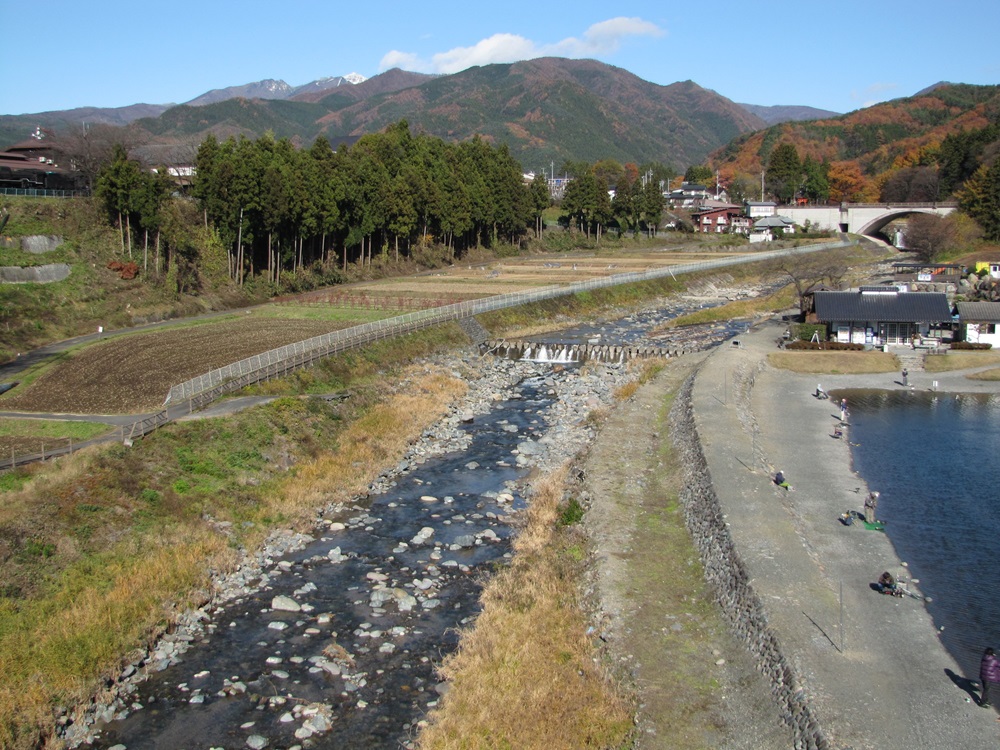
(133, 373)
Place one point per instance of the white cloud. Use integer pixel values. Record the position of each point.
(499, 48)
(403, 60)
(875, 93)
(603, 38)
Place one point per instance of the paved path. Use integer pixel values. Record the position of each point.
(882, 681)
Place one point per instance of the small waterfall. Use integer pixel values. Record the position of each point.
(554, 353)
(572, 353)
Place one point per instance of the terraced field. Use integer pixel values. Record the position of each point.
(133, 373)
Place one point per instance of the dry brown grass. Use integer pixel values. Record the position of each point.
(368, 444)
(834, 363)
(990, 375)
(744, 308)
(959, 360)
(51, 649)
(525, 676)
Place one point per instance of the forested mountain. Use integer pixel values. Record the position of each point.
(915, 140)
(787, 113)
(545, 110)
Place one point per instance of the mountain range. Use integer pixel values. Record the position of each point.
(546, 110)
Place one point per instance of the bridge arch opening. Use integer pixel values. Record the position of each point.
(875, 227)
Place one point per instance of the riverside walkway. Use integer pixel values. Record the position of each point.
(880, 679)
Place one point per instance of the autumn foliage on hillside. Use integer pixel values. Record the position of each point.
(863, 152)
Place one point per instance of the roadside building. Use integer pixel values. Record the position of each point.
(759, 209)
(882, 315)
(714, 217)
(770, 227)
(979, 322)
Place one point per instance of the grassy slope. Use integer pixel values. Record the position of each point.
(32, 315)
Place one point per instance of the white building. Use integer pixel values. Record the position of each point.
(979, 322)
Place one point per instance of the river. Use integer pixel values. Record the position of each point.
(933, 458)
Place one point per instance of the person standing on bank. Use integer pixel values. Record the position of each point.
(906, 377)
(989, 677)
(871, 503)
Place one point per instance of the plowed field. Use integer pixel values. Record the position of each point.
(132, 374)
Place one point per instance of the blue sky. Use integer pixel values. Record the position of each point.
(839, 56)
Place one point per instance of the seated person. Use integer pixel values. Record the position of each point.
(779, 479)
(887, 584)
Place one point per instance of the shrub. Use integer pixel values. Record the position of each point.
(805, 331)
(828, 346)
(571, 513)
(970, 346)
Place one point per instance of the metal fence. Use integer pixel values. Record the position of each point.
(43, 193)
(290, 357)
(192, 395)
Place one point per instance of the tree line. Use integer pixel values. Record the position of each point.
(276, 208)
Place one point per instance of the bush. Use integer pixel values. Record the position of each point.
(805, 331)
(970, 346)
(571, 513)
(827, 346)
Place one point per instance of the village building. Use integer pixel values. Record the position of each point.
(883, 315)
(770, 227)
(760, 209)
(992, 267)
(688, 195)
(979, 322)
(716, 217)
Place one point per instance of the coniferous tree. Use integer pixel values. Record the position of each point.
(783, 175)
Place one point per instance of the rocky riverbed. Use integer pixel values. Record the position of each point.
(331, 638)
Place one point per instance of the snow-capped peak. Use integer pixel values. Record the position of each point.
(354, 78)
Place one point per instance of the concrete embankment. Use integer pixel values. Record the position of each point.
(848, 668)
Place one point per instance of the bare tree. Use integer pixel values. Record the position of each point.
(90, 147)
(929, 236)
(805, 271)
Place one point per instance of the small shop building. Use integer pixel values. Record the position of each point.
(979, 322)
(884, 315)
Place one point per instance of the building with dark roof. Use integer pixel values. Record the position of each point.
(883, 315)
(979, 322)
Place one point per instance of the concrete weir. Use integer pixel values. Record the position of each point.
(556, 352)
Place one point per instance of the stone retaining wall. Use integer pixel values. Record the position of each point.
(34, 274)
(726, 573)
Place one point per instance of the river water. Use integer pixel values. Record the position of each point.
(383, 593)
(933, 457)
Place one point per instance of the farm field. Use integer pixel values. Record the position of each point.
(504, 276)
(132, 373)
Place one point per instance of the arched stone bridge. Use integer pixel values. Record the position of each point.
(860, 218)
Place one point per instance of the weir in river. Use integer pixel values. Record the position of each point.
(561, 353)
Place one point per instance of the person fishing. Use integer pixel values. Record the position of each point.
(871, 503)
(887, 585)
(989, 677)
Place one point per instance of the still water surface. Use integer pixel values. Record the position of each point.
(934, 457)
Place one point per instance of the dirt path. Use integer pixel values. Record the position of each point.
(694, 683)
